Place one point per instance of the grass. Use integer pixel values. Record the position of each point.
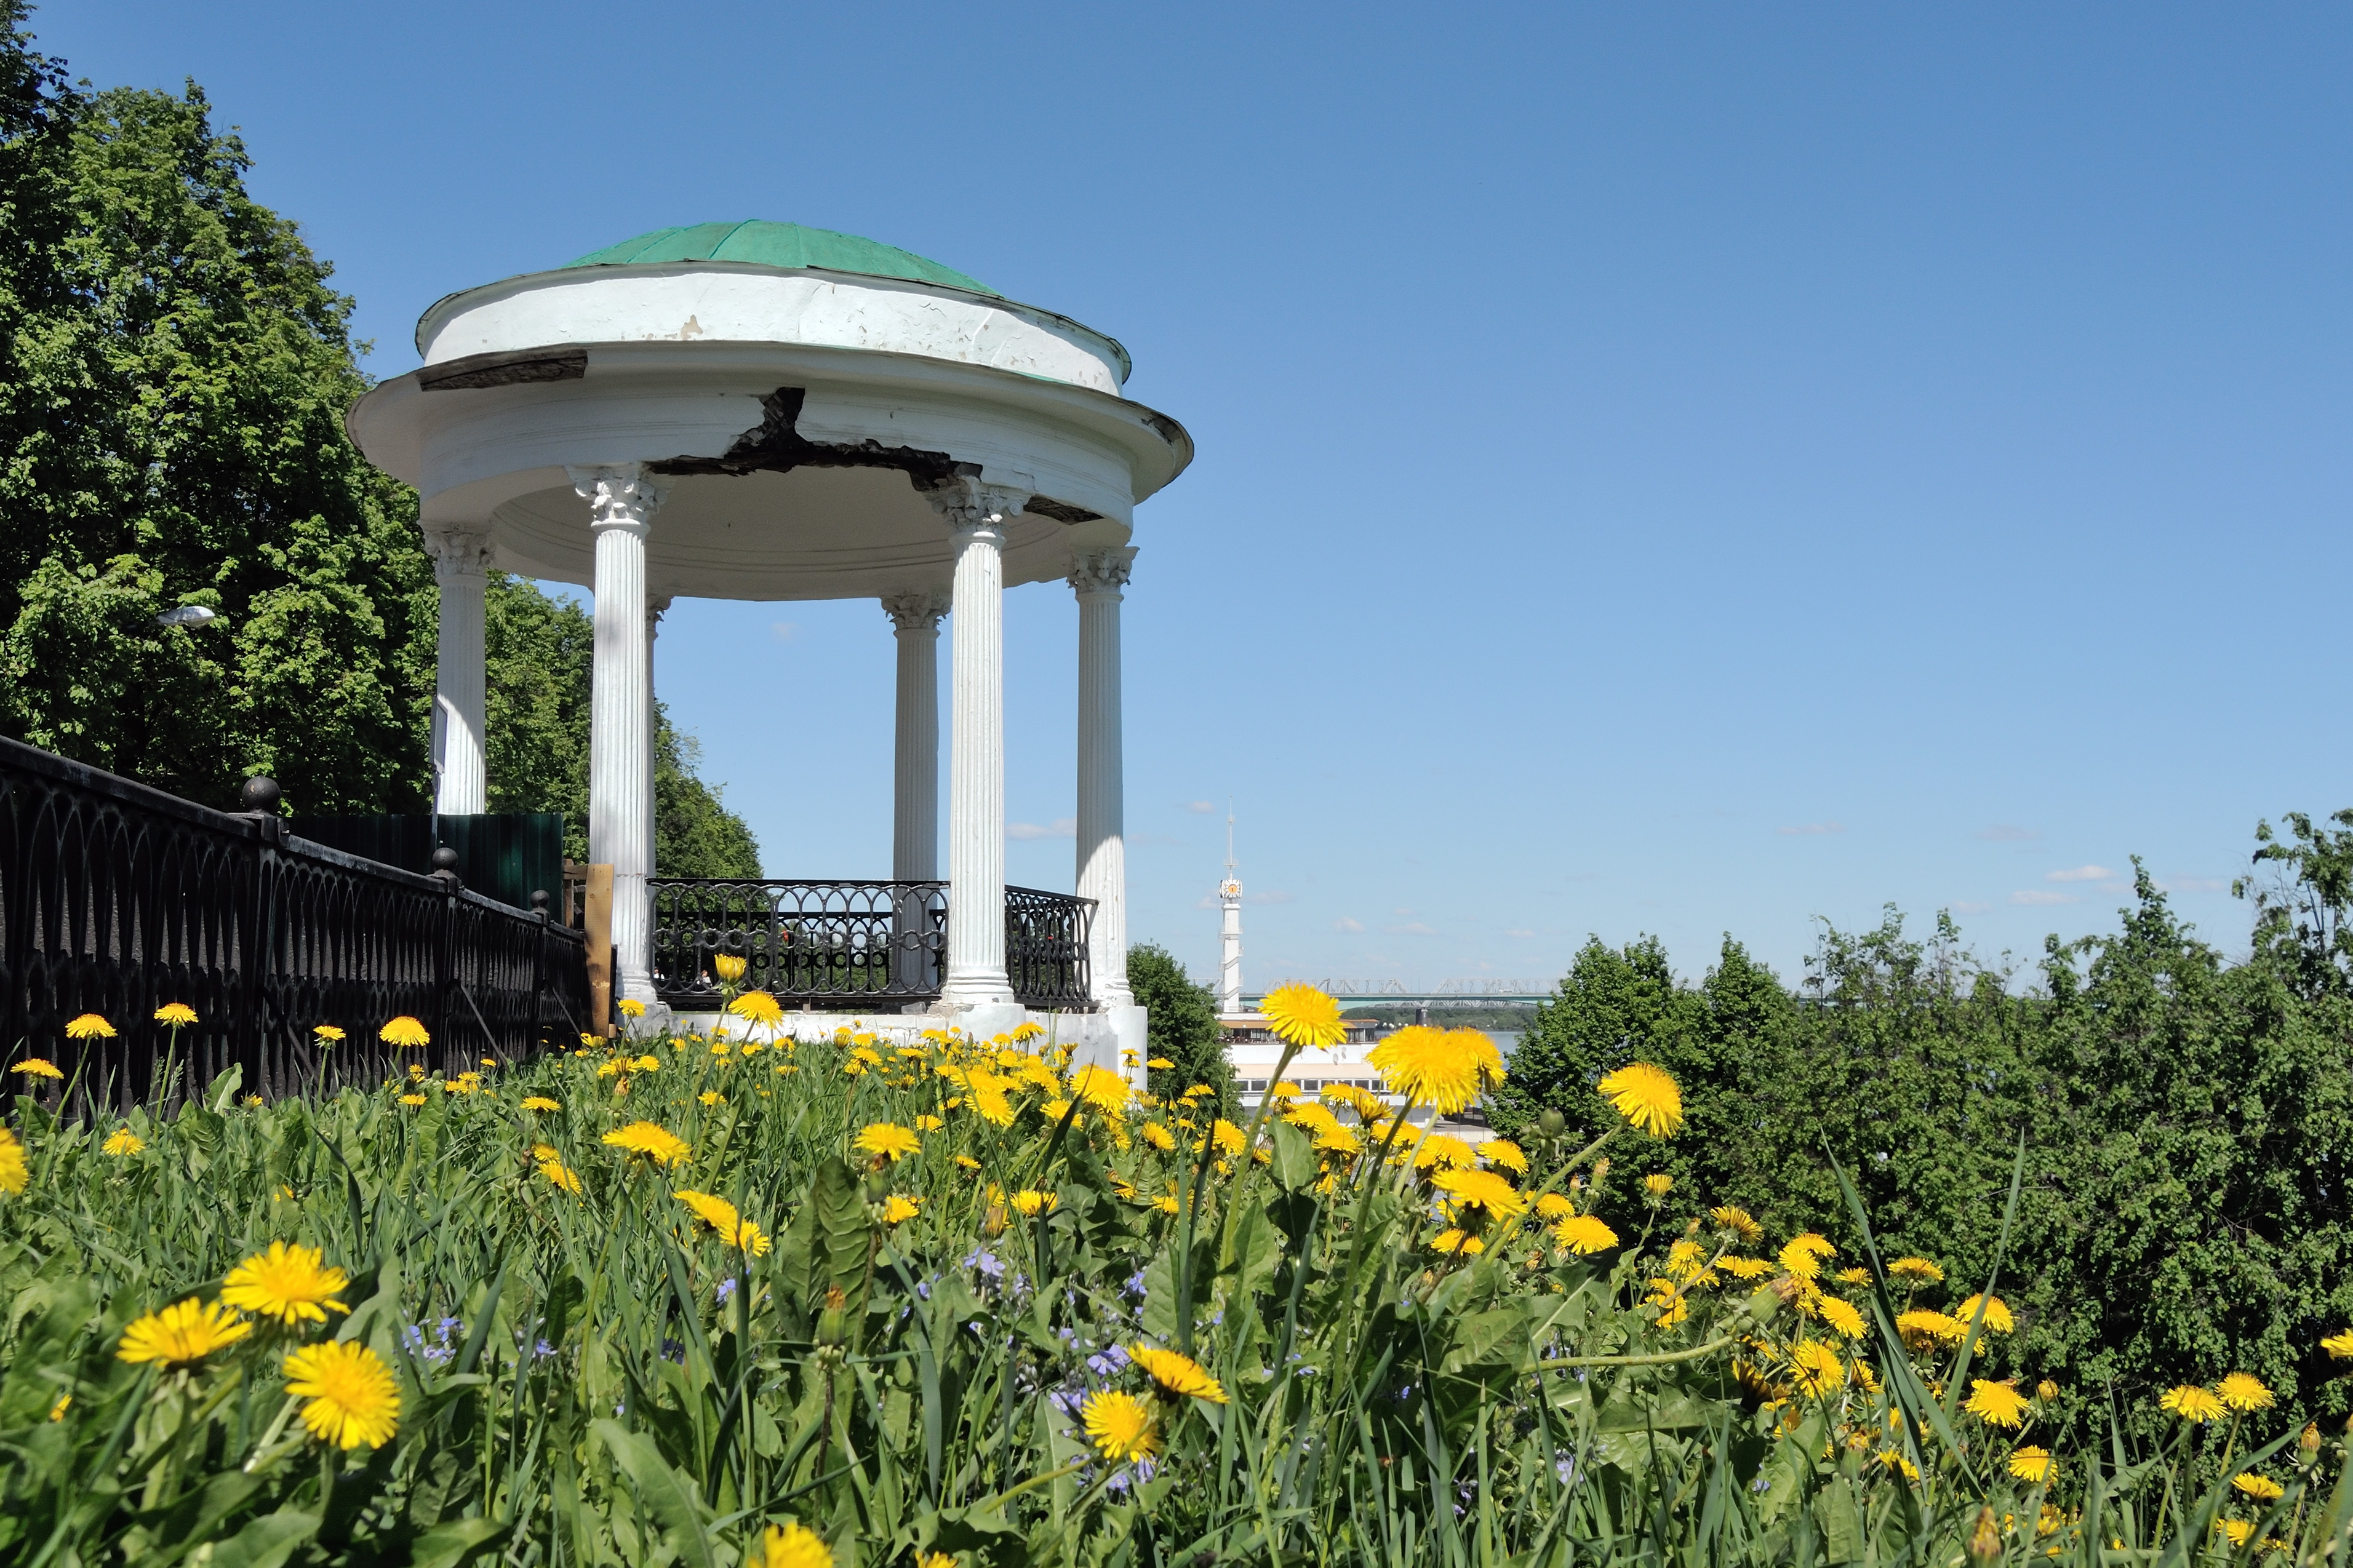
(601, 1376)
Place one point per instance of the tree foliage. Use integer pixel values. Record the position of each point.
(2187, 1125)
(174, 369)
(1182, 1027)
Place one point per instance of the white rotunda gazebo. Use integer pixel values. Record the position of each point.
(766, 411)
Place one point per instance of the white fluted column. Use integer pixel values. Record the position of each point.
(622, 500)
(976, 514)
(1097, 577)
(915, 773)
(656, 606)
(461, 562)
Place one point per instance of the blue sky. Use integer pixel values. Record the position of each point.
(1672, 469)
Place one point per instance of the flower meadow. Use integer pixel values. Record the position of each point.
(749, 1299)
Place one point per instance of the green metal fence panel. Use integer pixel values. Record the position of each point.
(502, 855)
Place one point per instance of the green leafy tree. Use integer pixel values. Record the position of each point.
(174, 369)
(1183, 1025)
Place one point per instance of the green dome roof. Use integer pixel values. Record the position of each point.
(787, 245)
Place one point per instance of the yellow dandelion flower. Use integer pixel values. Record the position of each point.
(90, 1027)
(1028, 1029)
(1160, 1064)
(1481, 1189)
(652, 1139)
(1736, 1220)
(2339, 1345)
(1658, 1184)
(1803, 1258)
(1100, 1087)
(1119, 1426)
(123, 1142)
(1841, 1315)
(1922, 1327)
(965, 1162)
(1451, 1240)
(888, 1141)
(1646, 1096)
(1033, 1203)
(1553, 1207)
(291, 1284)
(725, 1223)
(1584, 1234)
(1179, 1376)
(1228, 1136)
(711, 1097)
(631, 1007)
(1502, 1152)
(350, 1397)
(1816, 1369)
(1745, 1267)
(1854, 1276)
(1445, 1150)
(2032, 1464)
(1998, 1319)
(37, 1067)
(540, 1102)
(898, 1210)
(1166, 1204)
(2240, 1530)
(2242, 1393)
(327, 1035)
(1159, 1137)
(1918, 1268)
(1445, 1069)
(757, 1007)
(793, 1545)
(560, 1175)
(728, 966)
(403, 1031)
(183, 1332)
(1303, 1016)
(1996, 1403)
(412, 1100)
(176, 1015)
(2263, 1488)
(928, 1123)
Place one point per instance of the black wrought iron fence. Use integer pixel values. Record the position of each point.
(116, 898)
(845, 945)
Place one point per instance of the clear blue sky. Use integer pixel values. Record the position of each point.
(1676, 469)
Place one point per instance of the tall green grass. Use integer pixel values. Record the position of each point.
(596, 1379)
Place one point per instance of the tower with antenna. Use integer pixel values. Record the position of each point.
(1229, 957)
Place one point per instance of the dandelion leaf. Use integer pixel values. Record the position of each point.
(1294, 1158)
(662, 1492)
(266, 1542)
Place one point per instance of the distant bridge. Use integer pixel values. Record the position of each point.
(1464, 993)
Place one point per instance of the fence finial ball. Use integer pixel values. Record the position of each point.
(444, 860)
(539, 899)
(261, 793)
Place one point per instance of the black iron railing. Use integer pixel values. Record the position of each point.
(848, 945)
(116, 898)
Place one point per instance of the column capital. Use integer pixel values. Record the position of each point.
(966, 505)
(619, 495)
(656, 607)
(916, 611)
(459, 550)
(1101, 570)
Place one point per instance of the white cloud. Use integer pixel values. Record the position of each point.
(2034, 896)
(1345, 923)
(785, 631)
(1966, 908)
(2081, 874)
(2004, 833)
(1811, 829)
(1061, 827)
(1200, 808)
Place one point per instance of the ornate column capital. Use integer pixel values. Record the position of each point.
(459, 550)
(916, 611)
(619, 495)
(1102, 571)
(968, 506)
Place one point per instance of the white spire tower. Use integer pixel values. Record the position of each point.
(1229, 959)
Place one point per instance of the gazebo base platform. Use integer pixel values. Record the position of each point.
(1100, 1036)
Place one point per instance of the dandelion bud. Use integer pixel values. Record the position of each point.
(1658, 1184)
(1552, 1123)
(1985, 1540)
(2046, 1391)
(2309, 1439)
(1601, 1170)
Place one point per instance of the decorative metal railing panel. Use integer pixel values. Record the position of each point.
(848, 945)
(116, 898)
